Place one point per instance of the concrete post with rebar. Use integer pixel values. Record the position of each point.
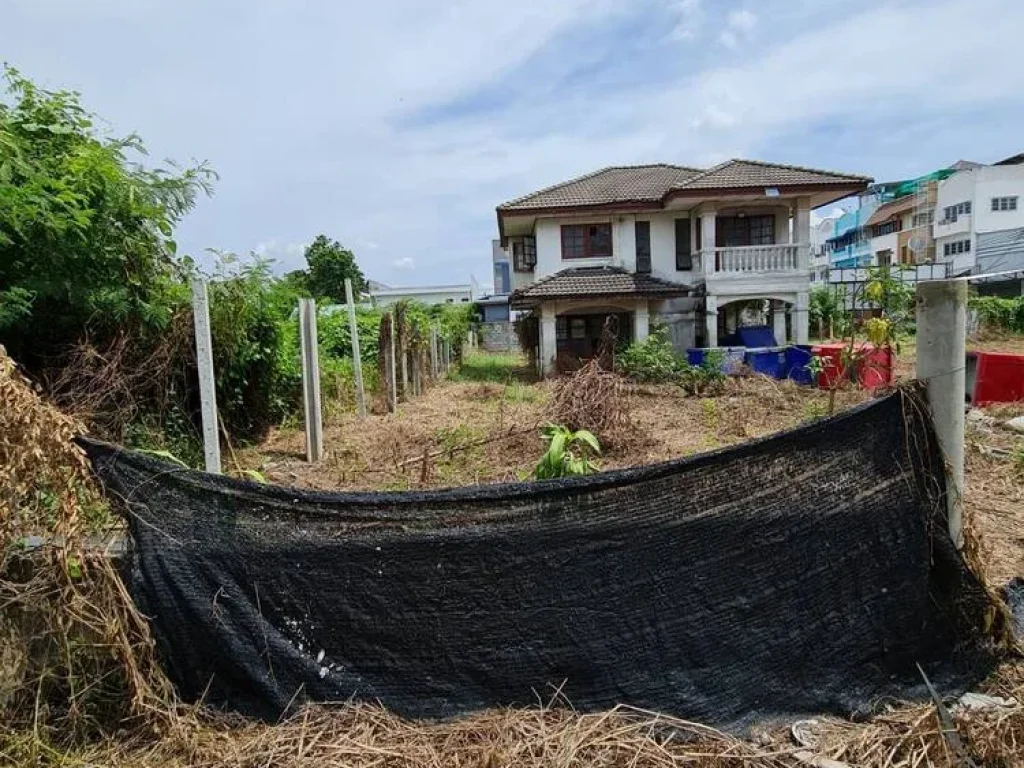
(941, 364)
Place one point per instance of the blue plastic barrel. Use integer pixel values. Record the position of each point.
(695, 356)
(797, 358)
(770, 361)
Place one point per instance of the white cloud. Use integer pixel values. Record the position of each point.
(406, 263)
(742, 19)
(347, 150)
(738, 24)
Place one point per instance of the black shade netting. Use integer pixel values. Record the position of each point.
(806, 572)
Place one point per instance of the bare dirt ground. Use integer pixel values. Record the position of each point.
(472, 432)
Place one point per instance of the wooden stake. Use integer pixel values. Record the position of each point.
(357, 362)
(207, 383)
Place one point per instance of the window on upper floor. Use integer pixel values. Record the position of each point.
(922, 219)
(734, 231)
(642, 229)
(952, 212)
(886, 228)
(1004, 203)
(524, 253)
(684, 256)
(587, 241)
(960, 246)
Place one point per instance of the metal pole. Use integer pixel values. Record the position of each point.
(393, 385)
(357, 361)
(311, 380)
(207, 384)
(941, 363)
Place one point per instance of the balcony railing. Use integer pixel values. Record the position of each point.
(757, 258)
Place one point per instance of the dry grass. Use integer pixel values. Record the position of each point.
(470, 433)
(594, 399)
(76, 654)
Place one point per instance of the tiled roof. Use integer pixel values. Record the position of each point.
(651, 183)
(754, 173)
(635, 183)
(597, 281)
(892, 208)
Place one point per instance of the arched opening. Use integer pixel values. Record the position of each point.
(765, 312)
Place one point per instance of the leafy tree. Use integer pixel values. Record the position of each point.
(329, 265)
(85, 231)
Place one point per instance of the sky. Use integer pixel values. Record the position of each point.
(396, 126)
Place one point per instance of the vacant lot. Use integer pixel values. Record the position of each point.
(482, 426)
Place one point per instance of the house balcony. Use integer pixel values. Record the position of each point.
(751, 270)
(743, 260)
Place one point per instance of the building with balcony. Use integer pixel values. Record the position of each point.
(676, 245)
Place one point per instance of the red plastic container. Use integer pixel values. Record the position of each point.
(832, 364)
(998, 378)
(875, 365)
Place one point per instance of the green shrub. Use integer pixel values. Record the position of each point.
(651, 361)
(998, 313)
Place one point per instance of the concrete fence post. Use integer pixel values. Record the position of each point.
(433, 353)
(207, 383)
(311, 380)
(357, 362)
(941, 364)
(392, 368)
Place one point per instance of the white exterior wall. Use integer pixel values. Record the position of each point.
(958, 188)
(888, 242)
(998, 181)
(663, 246)
(454, 295)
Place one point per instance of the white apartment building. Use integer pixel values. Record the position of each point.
(979, 219)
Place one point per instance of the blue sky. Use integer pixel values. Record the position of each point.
(397, 126)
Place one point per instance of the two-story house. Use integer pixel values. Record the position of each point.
(668, 243)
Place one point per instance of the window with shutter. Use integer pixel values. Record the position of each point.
(684, 257)
(643, 246)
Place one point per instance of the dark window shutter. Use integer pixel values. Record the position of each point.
(684, 258)
(643, 246)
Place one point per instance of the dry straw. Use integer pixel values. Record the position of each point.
(79, 684)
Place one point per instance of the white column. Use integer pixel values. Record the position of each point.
(802, 233)
(548, 339)
(707, 238)
(641, 321)
(779, 321)
(711, 319)
(801, 318)
(941, 352)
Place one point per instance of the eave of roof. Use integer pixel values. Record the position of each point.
(595, 282)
